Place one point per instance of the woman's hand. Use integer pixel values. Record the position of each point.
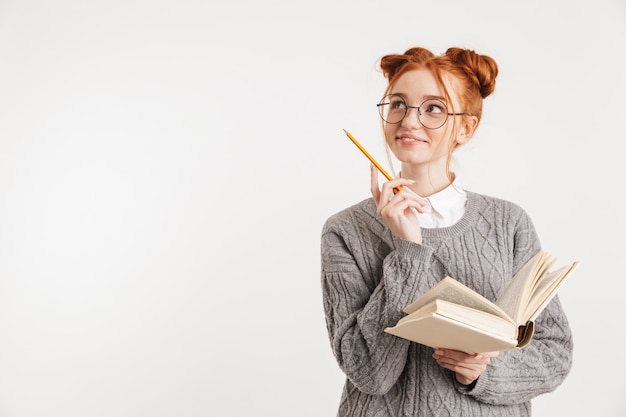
(395, 207)
(466, 367)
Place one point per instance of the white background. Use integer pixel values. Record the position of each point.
(166, 168)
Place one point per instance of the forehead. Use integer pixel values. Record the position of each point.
(417, 83)
(420, 84)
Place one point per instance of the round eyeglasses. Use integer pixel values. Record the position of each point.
(432, 113)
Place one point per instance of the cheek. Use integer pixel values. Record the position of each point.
(445, 138)
(390, 133)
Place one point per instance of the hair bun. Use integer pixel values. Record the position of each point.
(482, 70)
(390, 64)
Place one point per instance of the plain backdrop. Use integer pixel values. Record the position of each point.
(166, 168)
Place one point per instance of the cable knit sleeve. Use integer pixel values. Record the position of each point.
(367, 278)
(518, 375)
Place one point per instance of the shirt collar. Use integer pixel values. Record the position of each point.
(451, 196)
(444, 208)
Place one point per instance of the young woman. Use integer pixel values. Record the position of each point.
(382, 253)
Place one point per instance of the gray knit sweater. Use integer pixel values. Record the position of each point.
(369, 276)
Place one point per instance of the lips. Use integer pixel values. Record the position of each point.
(411, 139)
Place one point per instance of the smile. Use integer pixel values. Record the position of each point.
(411, 139)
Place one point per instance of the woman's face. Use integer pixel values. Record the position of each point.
(409, 140)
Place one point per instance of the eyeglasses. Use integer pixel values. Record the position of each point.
(432, 113)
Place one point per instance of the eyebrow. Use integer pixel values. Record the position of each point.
(424, 98)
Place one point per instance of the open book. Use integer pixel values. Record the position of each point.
(452, 316)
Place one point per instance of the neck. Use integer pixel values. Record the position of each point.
(426, 183)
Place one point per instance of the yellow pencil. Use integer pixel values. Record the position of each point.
(370, 157)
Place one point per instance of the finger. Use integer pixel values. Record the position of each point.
(460, 366)
(395, 184)
(399, 207)
(466, 357)
(413, 200)
(402, 199)
(459, 361)
(472, 370)
(374, 188)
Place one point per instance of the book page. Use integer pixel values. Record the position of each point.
(546, 290)
(476, 318)
(542, 272)
(515, 297)
(441, 332)
(449, 289)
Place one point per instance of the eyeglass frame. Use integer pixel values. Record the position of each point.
(419, 112)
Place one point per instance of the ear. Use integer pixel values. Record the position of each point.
(466, 130)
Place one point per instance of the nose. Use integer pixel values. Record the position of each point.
(411, 118)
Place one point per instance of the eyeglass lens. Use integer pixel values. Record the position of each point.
(432, 113)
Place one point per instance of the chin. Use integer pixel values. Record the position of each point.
(413, 158)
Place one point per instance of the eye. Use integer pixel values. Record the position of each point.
(396, 103)
(435, 107)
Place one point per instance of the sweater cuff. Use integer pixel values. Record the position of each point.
(412, 250)
(475, 388)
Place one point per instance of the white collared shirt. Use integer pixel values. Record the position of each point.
(445, 208)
